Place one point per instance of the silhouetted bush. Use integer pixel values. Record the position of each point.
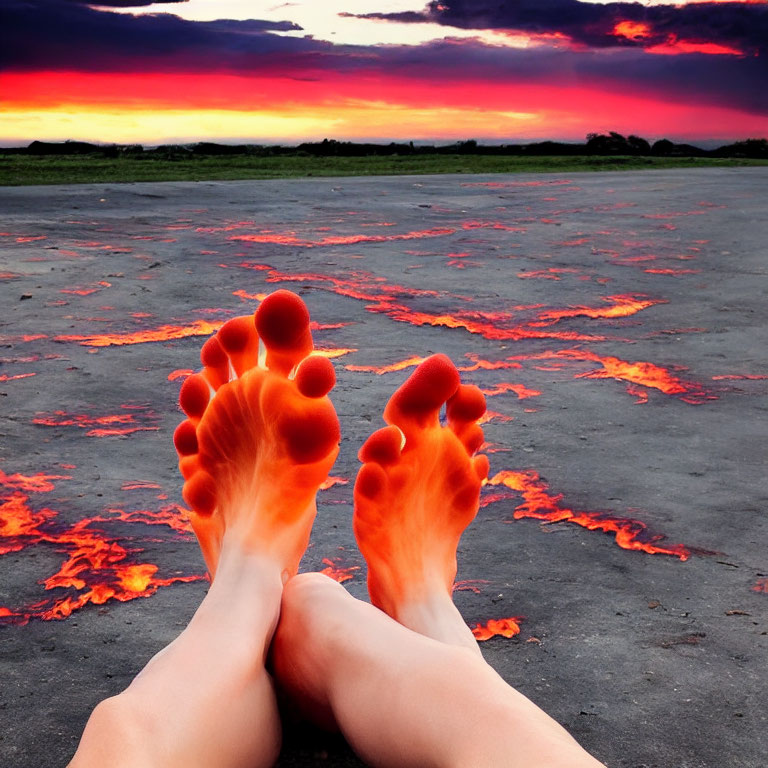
(666, 148)
(63, 148)
(609, 145)
(212, 148)
(615, 144)
(753, 148)
(638, 146)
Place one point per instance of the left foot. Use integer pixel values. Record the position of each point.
(261, 435)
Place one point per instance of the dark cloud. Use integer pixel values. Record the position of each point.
(722, 81)
(60, 34)
(743, 26)
(39, 35)
(125, 3)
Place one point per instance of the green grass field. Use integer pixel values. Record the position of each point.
(18, 170)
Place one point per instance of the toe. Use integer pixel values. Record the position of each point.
(188, 465)
(481, 466)
(370, 483)
(215, 362)
(383, 446)
(470, 435)
(466, 405)
(282, 321)
(463, 410)
(185, 439)
(200, 493)
(416, 404)
(194, 395)
(315, 377)
(239, 340)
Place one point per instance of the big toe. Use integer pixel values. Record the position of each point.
(282, 322)
(417, 403)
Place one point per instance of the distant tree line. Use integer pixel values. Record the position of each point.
(610, 144)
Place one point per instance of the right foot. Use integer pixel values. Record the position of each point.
(416, 492)
(254, 454)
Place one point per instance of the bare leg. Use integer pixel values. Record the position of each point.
(417, 692)
(253, 457)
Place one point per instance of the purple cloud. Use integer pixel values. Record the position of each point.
(39, 35)
(739, 25)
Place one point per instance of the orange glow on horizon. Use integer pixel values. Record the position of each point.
(155, 108)
(674, 47)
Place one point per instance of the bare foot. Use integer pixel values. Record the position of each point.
(416, 492)
(260, 435)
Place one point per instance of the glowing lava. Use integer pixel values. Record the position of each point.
(497, 628)
(97, 567)
(540, 504)
(622, 306)
(290, 238)
(338, 572)
(162, 333)
(103, 426)
(638, 372)
(520, 390)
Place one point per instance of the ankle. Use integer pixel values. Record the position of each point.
(437, 617)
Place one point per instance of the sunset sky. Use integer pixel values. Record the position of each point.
(283, 72)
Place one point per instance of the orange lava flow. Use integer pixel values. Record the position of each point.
(761, 585)
(291, 239)
(497, 628)
(551, 273)
(139, 485)
(102, 426)
(488, 330)
(37, 483)
(672, 272)
(332, 480)
(623, 306)
(337, 572)
(469, 585)
(638, 372)
(520, 390)
(241, 294)
(161, 333)
(540, 504)
(400, 365)
(489, 416)
(5, 377)
(96, 567)
(180, 373)
(386, 299)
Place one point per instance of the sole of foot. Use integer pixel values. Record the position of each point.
(418, 489)
(260, 434)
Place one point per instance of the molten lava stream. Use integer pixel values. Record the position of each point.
(290, 238)
(337, 571)
(97, 565)
(141, 419)
(497, 628)
(161, 333)
(540, 504)
(636, 373)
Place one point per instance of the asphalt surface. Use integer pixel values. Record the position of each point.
(549, 290)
